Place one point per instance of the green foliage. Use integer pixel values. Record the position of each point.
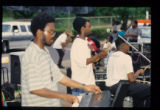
(62, 15)
(58, 32)
(100, 33)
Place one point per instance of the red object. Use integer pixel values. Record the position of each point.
(144, 21)
(92, 45)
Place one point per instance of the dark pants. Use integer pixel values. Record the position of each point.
(61, 54)
(138, 91)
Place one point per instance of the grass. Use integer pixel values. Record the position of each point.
(7, 19)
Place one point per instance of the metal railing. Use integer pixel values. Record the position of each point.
(135, 49)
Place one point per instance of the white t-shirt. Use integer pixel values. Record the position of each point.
(119, 65)
(79, 53)
(61, 39)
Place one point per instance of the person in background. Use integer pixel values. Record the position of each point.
(133, 32)
(114, 30)
(121, 32)
(81, 59)
(120, 67)
(40, 75)
(61, 42)
(110, 46)
(94, 44)
(97, 43)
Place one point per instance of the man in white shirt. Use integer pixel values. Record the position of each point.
(61, 42)
(40, 75)
(81, 60)
(120, 68)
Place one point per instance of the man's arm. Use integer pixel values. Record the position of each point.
(96, 57)
(74, 84)
(53, 94)
(132, 77)
(64, 44)
(131, 35)
(92, 59)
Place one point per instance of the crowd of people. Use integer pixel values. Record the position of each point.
(40, 75)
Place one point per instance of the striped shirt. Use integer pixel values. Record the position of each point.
(37, 66)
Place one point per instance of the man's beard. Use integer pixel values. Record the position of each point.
(44, 40)
(87, 34)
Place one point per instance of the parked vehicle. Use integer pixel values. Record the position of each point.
(16, 34)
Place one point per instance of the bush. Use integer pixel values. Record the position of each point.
(100, 33)
(58, 32)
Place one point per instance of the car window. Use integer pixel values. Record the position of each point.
(6, 28)
(15, 28)
(146, 32)
(23, 28)
(29, 28)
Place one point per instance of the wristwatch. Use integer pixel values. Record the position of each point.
(83, 85)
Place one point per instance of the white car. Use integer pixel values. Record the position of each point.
(145, 38)
(16, 34)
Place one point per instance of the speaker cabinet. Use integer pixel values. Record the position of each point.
(15, 69)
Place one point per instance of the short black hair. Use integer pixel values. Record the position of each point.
(135, 21)
(119, 42)
(78, 23)
(40, 21)
(110, 38)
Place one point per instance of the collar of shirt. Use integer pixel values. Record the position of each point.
(78, 36)
(120, 52)
(39, 49)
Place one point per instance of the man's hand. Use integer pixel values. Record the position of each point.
(70, 98)
(69, 40)
(141, 71)
(103, 54)
(93, 88)
(131, 35)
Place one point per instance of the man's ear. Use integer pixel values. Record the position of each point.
(82, 28)
(39, 32)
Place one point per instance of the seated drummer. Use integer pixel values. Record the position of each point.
(120, 68)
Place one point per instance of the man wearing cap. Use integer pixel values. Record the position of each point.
(61, 42)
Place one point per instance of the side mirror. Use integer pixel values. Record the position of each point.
(16, 31)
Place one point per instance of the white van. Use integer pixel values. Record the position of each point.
(16, 35)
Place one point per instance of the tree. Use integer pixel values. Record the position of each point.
(122, 13)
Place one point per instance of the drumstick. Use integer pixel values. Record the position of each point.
(146, 67)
